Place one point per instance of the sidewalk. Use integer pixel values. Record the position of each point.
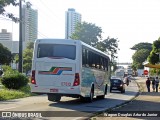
(144, 102)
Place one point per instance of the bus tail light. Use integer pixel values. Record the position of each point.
(33, 80)
(76, 80)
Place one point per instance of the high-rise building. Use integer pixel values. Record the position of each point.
(4, 35)
(30, 23)
(6, 41)
(71, 19)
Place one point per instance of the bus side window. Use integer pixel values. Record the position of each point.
(98, 62)
(87, 58)
(83, 57)
(101, 63)
(105, 67)
(94, 60)
(90, 59)
(106, 64)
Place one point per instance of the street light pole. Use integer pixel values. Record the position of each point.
(20, 38)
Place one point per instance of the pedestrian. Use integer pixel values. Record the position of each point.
(148, 82)
(153, 84)
(157, 83)
(126, 80)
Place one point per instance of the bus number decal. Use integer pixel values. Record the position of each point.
(65, 84)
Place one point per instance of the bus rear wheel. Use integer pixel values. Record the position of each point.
(90, 98)
(54, 98)
(103, 96)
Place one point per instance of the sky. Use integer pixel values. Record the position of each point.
(130, 21)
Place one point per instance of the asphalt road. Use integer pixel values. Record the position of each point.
(68, 108)
(144, 107)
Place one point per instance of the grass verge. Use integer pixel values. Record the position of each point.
(6, 94)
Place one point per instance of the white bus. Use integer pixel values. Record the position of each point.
(62, 67)
(120, 73)
(130, 71)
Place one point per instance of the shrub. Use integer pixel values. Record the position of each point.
(14, 81)
(6, 68)
(26, 89)
(6, 94)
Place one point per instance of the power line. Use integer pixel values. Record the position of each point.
(23, 22)
(41, 34)
(49, 9)
(45, 13)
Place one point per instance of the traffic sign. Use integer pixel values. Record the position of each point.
(145, 72)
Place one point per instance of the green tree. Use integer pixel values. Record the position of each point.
(141, 54)
(139, 57)
(142, 45)
(134, 66)
(153, 58)
(5, 3)
(30, 45)
(5, 55)
(87, 32)
(110, 46)
(27, 57)
(16, 58)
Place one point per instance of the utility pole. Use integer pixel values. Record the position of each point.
(20, 67)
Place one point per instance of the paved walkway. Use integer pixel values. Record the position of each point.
(145, 103)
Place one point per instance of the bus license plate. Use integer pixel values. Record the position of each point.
(114, 88)
(54, 90)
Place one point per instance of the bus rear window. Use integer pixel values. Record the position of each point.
(56, 50)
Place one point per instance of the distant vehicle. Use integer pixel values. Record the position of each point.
(120, 73)
(117, 84)
(129, 71)
(129, 67)
(62, 67)
(120, 67)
